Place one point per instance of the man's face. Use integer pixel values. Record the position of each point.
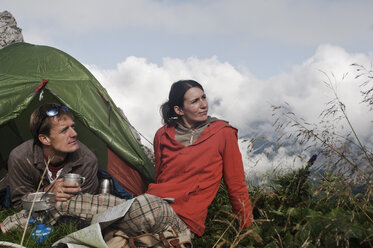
(63, 137)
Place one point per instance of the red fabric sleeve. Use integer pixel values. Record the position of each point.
(234, 178)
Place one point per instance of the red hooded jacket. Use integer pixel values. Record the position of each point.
(192, 174)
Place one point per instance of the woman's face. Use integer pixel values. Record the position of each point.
(195, 107)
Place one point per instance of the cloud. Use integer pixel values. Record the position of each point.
(236, 95)
(305, 90)
(140, 87)
(262, 167)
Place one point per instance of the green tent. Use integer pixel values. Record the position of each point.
(31, 75)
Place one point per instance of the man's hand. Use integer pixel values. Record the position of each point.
(64, 190)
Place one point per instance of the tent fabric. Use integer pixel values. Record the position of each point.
(125, 175)
(31, 75)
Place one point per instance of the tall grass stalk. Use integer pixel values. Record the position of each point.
(33, 201)
(342, 108)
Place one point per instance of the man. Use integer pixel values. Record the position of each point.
(54, 148)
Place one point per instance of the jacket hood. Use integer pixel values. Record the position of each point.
(214, 126)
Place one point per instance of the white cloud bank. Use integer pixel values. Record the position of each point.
(139, 88)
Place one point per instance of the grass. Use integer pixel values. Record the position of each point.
(62, 229)
(296, 213)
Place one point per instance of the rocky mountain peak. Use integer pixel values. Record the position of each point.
(9, 32)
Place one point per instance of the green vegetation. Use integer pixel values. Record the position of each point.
(60, 230)
(295, 214)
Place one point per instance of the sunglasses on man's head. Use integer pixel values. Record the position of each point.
(52, 112)
(55, 110)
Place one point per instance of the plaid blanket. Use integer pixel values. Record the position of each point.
(147, 214)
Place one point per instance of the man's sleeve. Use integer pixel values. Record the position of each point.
(20, 173)
(90, 173)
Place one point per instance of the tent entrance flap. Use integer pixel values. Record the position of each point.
(128, 177)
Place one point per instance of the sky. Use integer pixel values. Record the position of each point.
(247, 54)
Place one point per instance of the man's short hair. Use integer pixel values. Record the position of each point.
(40, 120)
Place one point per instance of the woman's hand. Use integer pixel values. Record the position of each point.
(64, 190)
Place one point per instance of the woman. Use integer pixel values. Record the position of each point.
(193, 152)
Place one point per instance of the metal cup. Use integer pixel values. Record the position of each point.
(105, 186)
(73, 177)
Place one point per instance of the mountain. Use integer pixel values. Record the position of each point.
(9, 32)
